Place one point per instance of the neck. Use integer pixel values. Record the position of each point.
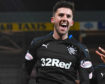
(58, 36)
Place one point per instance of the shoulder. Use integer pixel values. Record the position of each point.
(39, 40)
(80, 46)
(77, 43)
(83, 47)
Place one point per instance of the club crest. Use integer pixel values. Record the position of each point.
(71, 50)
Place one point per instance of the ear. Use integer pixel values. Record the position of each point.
(52, 19)
(72, 23)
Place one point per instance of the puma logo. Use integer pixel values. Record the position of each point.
(45, 45)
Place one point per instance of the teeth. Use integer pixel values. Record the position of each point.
(64, 24)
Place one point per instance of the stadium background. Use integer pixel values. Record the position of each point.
(22, 20)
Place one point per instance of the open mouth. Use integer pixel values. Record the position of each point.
(63, 24)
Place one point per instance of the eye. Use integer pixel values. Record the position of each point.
(68, 16)
(61, 14)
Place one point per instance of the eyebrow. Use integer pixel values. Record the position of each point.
(63, 14)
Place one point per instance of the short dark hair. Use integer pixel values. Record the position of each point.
(65, 4)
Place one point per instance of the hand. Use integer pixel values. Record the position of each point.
(101, 53)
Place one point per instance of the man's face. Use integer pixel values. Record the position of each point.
(62, 20)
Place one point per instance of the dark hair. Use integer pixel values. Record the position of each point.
(65, 4)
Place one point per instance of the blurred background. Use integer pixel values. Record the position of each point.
(22, 20)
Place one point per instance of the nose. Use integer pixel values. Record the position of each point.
(64, 17)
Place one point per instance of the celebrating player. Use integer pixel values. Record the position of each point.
(58, 57)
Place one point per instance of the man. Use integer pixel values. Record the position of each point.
(58, 57)
(101, 53)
